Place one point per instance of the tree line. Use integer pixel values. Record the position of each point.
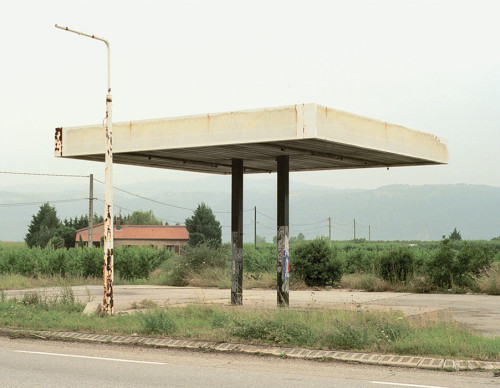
(47, 230)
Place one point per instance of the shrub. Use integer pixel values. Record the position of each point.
(359, 261)
(440, 266)
(65, 301)
(316, 263)
(195, 259)
(262, 259)
(396, 265)
(87, 262)
(138, 262)
(449, 267)
(159, 322)
(204, 256)
(489, 281)
(276, 329)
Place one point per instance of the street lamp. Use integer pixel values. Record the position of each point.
(108, 272)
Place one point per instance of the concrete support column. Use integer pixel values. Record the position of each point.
(283, 234)
(237, 232)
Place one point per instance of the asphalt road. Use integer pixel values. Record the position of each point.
(480, 312)
(29, 363)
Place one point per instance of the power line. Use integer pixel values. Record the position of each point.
(342, 224)
(169, 221)
(130, 210)
(265, 226)
(43, 174)
(265, 215)
(164, 203)
(42, 202)
(311, 223)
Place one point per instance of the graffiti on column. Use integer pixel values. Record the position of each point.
(286, 257)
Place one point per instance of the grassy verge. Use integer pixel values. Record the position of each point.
(387, 332)
(18, 282)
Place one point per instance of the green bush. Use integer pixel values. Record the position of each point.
(195, 259)
(396, 265)
(441, 266)
(316, 263)
(159, 322)
(359, 261)
(138, 262)
(276, 329)
(205, 256)
(450, 267)
(130, 263)
(262, 259)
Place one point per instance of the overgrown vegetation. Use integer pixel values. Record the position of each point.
(316, 263)
(445, 266)
(391, 332)
(130, 262)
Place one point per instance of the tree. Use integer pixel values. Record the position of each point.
(143, 218)
(82, 221)
(203, 227)
(67, 235)
(260, 240)
(43, 226)
(455, 235)
(294, 240)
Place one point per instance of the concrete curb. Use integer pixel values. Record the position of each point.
(300, 353)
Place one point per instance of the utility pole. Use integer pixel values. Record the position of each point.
(255, 227)
(108, 271)
(330, 231)
(91, 210)
(369, 233)
(355, 230)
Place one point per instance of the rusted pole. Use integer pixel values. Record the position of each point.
(108, 271)
(91, 210)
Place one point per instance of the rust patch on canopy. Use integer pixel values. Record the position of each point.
(58, 142)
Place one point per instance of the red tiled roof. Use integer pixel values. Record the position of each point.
(141, 232)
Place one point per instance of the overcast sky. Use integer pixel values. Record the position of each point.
(433, 66)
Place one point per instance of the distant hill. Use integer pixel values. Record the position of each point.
(396, 212)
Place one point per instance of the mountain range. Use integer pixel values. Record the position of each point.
(396, 212)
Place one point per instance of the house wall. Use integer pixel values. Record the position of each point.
(175, 245)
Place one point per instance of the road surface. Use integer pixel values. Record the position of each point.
(30, 363)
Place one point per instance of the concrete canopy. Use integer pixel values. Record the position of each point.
(314, 137)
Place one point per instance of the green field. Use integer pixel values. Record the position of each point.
(435, 266)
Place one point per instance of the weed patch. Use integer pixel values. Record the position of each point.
(430, 335)
(159, 322)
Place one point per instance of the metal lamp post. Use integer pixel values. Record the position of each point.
(108, 272)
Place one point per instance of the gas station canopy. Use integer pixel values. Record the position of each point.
(314, 137)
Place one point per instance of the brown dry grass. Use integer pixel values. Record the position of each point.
(489, 281)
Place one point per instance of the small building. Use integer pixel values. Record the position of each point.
(173, 237)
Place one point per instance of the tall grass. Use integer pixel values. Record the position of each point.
(391, 332)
